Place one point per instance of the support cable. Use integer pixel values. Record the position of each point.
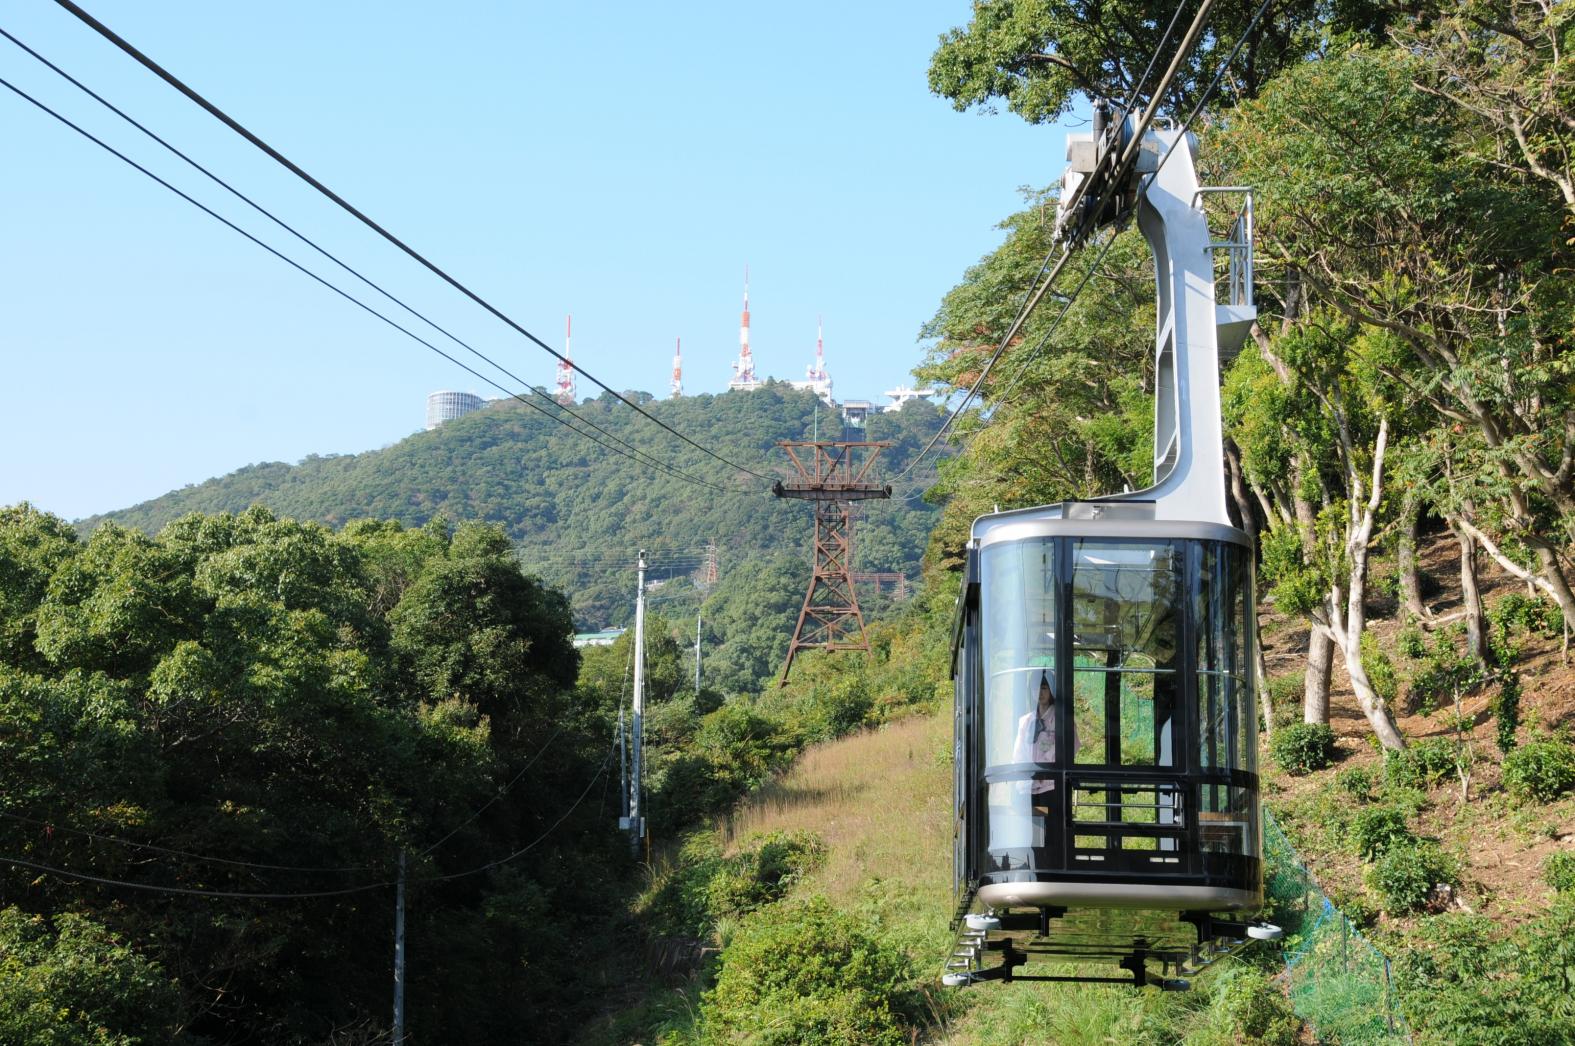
(1128, 157)
(293, 168)
(1188, 41)
(1186, 125)
(644, 459)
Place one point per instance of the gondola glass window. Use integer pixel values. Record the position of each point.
(1126, 640)
(1019, 659)
(1227, 726)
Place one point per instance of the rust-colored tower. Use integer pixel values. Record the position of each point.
(835, 475)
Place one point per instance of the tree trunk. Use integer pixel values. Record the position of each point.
(1238, 491)
(1470, 595)
(1410, 581)
(1261, 667)
(1315, 681)
(1347, 629)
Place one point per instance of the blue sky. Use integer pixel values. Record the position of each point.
(618, 161)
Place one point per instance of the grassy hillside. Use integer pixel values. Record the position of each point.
(575, 510)
(863, 824)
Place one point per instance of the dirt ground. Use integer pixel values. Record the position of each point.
(1501, 847)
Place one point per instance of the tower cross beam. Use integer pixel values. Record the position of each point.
(832, 474)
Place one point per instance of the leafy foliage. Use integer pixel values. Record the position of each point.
(74, 984)
(1540, 771)
(285, 698)
(514, 468)
(807, 973)
(1471, 981)
(1302, 748)
(1559, 871)
(1377, 830)
(1404, 876)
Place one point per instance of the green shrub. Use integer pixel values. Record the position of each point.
(1285, 697)
(1470, 981)
(1377, 830)
(1436, 758)
(1506, 711)
(1518, 612)
(1252, 1008)
(762, 872)
(810, 974)
(1559, 871)
(1446, 672)
(1405, 875)
(1302, 748)
(1540, 770)
(1380, 670)
(703, 886)
(1355, 781)
(1404, 769)
(1412, 641)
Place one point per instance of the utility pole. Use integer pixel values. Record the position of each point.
(637, 724)
(399, 955)
(698, 614)
(623, 770)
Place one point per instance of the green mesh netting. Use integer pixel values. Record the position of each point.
(1339, 983)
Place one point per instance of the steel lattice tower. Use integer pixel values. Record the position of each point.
(835, 475)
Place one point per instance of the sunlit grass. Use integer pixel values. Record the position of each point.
(881, 801)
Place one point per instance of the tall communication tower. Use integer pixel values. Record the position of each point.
(816, 378)
(563, 391)
(678, 368)
(835, 475)
(744, 379)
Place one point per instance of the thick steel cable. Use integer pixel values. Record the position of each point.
(293, 168)
(1029, 304)
(660, 466)
(1188, 41)
(281, 223)
(1149, 180)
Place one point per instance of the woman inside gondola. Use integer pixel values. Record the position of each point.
(1036, 743)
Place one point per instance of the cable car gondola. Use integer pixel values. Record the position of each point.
(1106, 728)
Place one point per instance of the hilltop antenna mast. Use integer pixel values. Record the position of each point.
(833, 479)
(677, 386)
(563, 391)
(744, 378)
(819, 379)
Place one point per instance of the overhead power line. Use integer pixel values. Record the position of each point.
(638, 455)
(190, 891)
(283, 895)
(293, 168)
(50, 826)
(500, 794)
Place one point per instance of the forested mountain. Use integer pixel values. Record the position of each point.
(577, 511)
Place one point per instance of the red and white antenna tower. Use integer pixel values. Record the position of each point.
(817, 380)
(744, 366)
(678, 368)
(563, 392)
